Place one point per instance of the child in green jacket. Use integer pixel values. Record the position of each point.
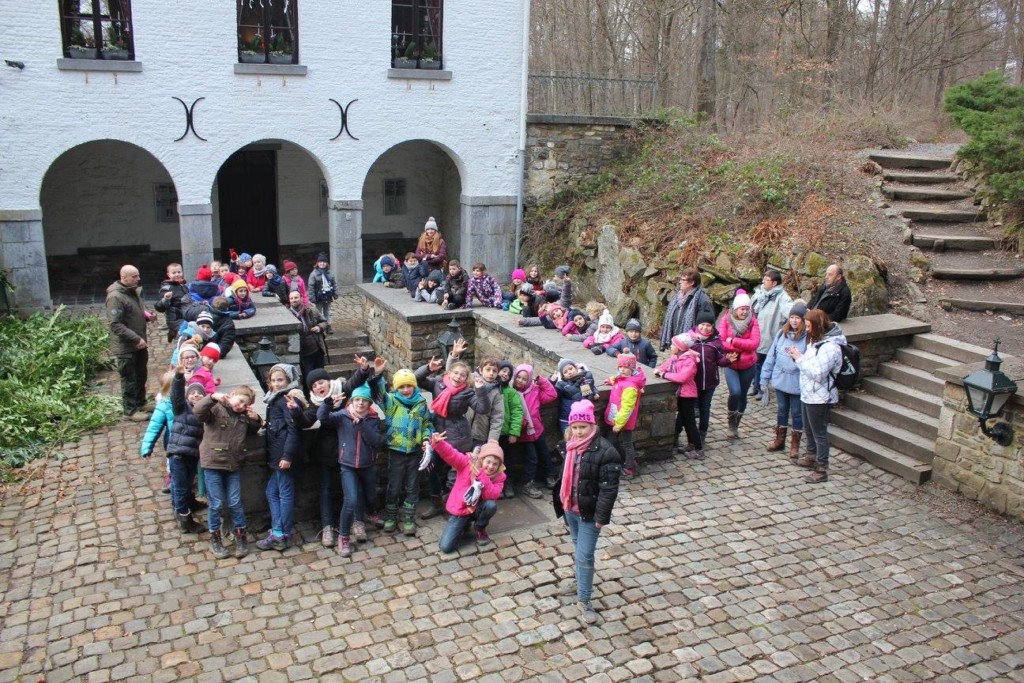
(512, 425)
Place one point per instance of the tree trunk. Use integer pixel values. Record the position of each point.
(707, 30)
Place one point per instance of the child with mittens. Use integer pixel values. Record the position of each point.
(479, 480)
(360, 434)
(227, 420)
(607, 335)
(681, 368)
(536, 392)
(407, 422)
(284, 446)
(623, 410)
(573, 382)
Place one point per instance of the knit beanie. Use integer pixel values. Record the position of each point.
(436, 276)
(561, 271)
(271, 271)
(259, 257)
(289, 266)
(706, 317)
(231, 278)
(204, 273)
(322, 257)
(239, 284)
(243, 257)
(519, 274)
(633, 324)
(741, 299)
(582, 411)
(606, 319)
(211, 350)
(627, 360)
(188, 348)
(526, 288)
(403, 378)
(431, 224)
(682, 341)
(316, 375)
(205, 317)
(799, 308)
(576, 312)
(563, 363)
(362, 391)
(384, 261)
(195, 386)
(492, 449)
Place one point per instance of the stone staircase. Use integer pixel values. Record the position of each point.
(964, 249)
(345, 341)
(892, 422)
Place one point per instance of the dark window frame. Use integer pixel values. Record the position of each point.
(253, 46)
(395, 197)
(417, 34)
(115, 29)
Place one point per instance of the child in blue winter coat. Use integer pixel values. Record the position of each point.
(284, 446)
(635, 345)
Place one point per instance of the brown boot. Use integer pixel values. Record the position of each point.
(794, 444)
(808, 461)
(780, 440)
(734, 425)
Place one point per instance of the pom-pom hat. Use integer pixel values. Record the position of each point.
(741, 299)
(363, 392)
(519, 274)
(210, 351)
(204, 273)
(582, 411)
(403, 378)
(627, 360)
(205, 318)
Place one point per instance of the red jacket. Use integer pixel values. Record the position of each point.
(745, 345)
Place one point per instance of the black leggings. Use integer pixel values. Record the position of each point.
(686, 417)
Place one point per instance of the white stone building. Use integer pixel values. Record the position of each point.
(96, 155)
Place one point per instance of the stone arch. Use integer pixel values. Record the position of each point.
(433, 180)
(106, 202)
(271, 196)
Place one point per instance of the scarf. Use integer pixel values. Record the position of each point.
(293, 381)
(337, 387)
(697, 336)
(259, 272)
(440, 404)
(430, 245)
(574, 448)
(299, 313)
(412, 400)
(605, 337)
(739, 326)
(766, 299)
(531, 429)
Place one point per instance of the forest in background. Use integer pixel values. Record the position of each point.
(742, 63)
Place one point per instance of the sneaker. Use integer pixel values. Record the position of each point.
(481, 536)
(628, 472)
(817, 477)
(569, 588)
(344, 546)
(531, 491)
(551, 481)
(359, 531)
(266, 543)
(327, 537)
(375, 520)
(167, 484)
(587, 614)
(279, 543)
(409, 526)
(695, 454)
(508, 492)
(390, 525)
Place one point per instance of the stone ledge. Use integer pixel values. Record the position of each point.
(421, 74)
(563, 119)
(21, 215)
(881, 326)
(119, 65)
(398, 301)
(271, 69)
(269, 320)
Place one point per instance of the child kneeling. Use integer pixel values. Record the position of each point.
(478, 484)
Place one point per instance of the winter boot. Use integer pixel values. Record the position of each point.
(216, 547)
(241, 544)
(186, 525)
(780, 440)
(809, 461)
(436, 508)
(696, 454)
(794, 444)
(736, 426)
(408, 520)
(391, 519)
(344, 546)
(703, 440)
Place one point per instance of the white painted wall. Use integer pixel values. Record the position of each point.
(298, 198)
(475, 115)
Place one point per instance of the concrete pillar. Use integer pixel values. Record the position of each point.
(487, 230)
(195, 224)
(23, 258)
(345, 233)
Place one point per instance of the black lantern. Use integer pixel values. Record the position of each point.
(446, 340)
(988, 390)
(264, 358)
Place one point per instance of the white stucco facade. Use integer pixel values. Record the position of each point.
(470, 113)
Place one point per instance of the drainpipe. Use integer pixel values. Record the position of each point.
(524, 84)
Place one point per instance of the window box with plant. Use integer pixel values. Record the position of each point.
(81, 46)
(97, 29)
(416, 34)
(268, 32)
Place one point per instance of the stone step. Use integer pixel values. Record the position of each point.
(923, 360)
(880, 456)
(925, 194)
(345, 343)
(954, 242)
(921, 380)
(892, 413)
(918, 447)
(954, 273)
(924, 213)
(346, 354)
(920, 177)
(954, 349)
(340, 369)
(1013, 307)
(887, 159)
(900, 394)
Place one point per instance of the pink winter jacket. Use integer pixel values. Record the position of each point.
(590, 341)
(535, 396)
(682, 369)
(746, 345)
(459, 461)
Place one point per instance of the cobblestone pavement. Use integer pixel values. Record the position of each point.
(728, 570)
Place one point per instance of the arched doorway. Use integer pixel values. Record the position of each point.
(407, 184)
(271, 197)
(106, 203)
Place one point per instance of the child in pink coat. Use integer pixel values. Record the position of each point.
(479, 480)
(740, 336)
(681, 368)
(607, 334)
(535, 392)
(623, 410)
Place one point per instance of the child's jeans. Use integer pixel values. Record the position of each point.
(222, 485)
(623, 442)
(360, 490)
(325, 310)
(789, 404)
(537, 465)
(704, 397)
(686, 418)
(183, 473)
(330, 494)
(584, 539)
(403, 475)
(281, 500)
(457, 524)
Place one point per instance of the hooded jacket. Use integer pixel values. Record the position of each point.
(779, 369)
(598, 486)
(536, 395)
(624, 401)
(682, 369)
(186, 429)
(284, 441)
(457, 423)
(407, 420)
(460, 462)
(357, 443)
(819, 362)
(224, 432)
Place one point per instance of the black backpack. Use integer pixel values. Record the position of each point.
(849, 368)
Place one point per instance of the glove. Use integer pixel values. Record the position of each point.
(597, 350)
(472, 495)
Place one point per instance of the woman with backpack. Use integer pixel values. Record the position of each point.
(818, 365)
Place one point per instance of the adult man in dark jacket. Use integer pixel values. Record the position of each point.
(126, 316)
(833, 297)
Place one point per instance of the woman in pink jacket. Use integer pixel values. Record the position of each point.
(740, 336)
(681, 368)
(535, 392)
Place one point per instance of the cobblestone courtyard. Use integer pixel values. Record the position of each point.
(729, 570)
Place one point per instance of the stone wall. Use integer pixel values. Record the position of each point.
(970, 463)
